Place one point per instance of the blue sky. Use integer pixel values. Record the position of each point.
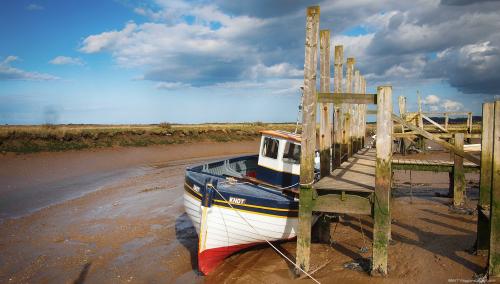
(221, 61)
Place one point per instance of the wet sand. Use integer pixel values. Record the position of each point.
(132, 229)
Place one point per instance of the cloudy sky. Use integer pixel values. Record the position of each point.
(145, 61)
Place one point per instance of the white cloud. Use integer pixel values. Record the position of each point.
(7, 72)
(34, 7)
(65, 60)
(431, 100)
(274, 71)
(172, 85)
(450, 105)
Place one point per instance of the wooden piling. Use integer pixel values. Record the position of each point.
(338, 123)
(348, 113)
(446, 119)
(325, 139)
(494, 255)
(458, 173)
(355, 113)
(381, 209)
(483, 206)
(364, 108)
(308, 143)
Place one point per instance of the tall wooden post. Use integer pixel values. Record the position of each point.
(348, 119)
(364, 107)
(325, 138)
(458, 173)
(494, 255)
(356, 113)
(308, 143)
(446, 119)
(483, 226)
(381, 209)
(338, 124)
(469, 125)
(402, 114)
(420, 122)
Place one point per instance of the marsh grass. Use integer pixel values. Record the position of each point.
(36, 138)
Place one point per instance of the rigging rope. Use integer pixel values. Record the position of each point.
(262, 236)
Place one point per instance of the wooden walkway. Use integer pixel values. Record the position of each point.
(348, 189)
(430, 165)
(357, 174)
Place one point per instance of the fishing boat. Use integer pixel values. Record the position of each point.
(240, 202)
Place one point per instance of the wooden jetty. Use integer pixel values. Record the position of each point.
(356, 180)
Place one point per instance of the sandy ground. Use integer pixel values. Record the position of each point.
(123, 221)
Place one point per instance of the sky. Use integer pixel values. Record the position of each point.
(151, 61)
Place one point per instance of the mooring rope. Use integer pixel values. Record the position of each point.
(262, 236)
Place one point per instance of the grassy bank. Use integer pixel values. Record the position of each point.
(36, 138)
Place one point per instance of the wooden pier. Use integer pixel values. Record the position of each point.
(356, 180)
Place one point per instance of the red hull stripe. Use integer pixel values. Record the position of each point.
(210, 258)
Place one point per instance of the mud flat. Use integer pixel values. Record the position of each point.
(123, 221)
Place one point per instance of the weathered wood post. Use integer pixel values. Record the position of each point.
(420, 122)
(348, 113)
(364, 106)
(469, 125)
(446, 119)
(338, 123)
(356, 113)
(494, 255)
(325, 138)
(458, 173)
(308, 139)
(381, 209)
(325, 135)
(483, 205)
(402, 114)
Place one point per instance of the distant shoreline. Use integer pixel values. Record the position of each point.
(55, 138)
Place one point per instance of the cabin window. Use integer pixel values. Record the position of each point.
(292, 153)
(270, 148)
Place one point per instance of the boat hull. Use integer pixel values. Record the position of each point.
(227, 227)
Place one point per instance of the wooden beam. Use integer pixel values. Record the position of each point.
(494, 255)
(325, 137)
(458, 173)
(343, 204)
(434, 123)
(338, 124)
(381, 209)
(308, 141)
(347, 98)
(439, 141)
(485, 179)
(439, 135)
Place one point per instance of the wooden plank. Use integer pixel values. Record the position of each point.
(308, 143)
(338, 109)
(325, 136)
(342, 204)
(458, 174)
(347, 98)
(439, 141)
(434, 123)
(494, 255)
(381, 210)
